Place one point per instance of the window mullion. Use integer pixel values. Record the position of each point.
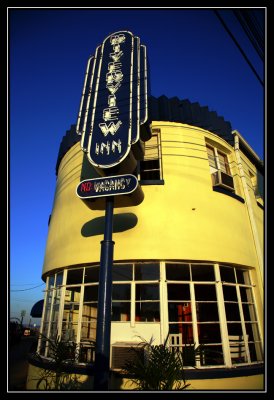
(164, 325)
(194, 318)
(222, 316)
(81, 305)
(132, 305)
(243, 323)
(61, 309)
(43, 316)
(217, 159)
(50, 317)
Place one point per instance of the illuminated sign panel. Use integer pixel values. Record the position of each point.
(107, 186)
(114, 99)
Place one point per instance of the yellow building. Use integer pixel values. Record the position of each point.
(188, 260)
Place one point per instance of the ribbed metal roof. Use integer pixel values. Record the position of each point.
(165, 109)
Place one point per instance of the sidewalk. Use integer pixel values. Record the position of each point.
(18, 363)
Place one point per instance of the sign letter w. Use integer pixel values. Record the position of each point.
(110, 128)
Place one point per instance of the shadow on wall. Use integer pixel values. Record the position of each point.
(121, 223)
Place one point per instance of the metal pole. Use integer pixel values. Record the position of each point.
(102, 350)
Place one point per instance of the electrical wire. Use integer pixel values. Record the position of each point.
(23, 290)
(251, 34)
(237, 44)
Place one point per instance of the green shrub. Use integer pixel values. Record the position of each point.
(155, 367)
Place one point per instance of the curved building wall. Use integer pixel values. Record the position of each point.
(187, 260)
(182, 219)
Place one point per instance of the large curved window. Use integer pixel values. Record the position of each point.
(209, 307)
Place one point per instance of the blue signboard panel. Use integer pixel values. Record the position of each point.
(110, 131)
(107, 186)
(114, 104)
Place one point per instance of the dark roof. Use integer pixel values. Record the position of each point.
(165, 109)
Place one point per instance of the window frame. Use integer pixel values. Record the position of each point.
(152, 180)
(244, 297)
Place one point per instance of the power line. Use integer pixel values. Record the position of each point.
(237, 44)
(22, 284)
(23, 290)
(251, 32)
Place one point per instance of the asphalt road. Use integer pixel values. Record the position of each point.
(18, 363)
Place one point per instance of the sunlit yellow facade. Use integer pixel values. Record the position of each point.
(185, 219)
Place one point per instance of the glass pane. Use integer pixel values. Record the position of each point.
(91, 275)
(147, 272)
(51, 282)
(230, 293)
(56, 299)
(53, 330)
(207, 312)
(202, 273)
(122, 272)
(255, 351)
(89, 312)
(252, 331)
(227, 274)
(234, 329)
(209, 333)
(59, 279)
(73, 294)
(45, 329)
(88, 331)
(249, 312)
(186, 331)
(48, 306)
(223, 163)
(121, 292)
(91, 293)
(232, 312)
(55, 313)
(75, 276)
(205, 292)
(69, 331)
(240, 275)
(120, 311)
(211, 157)
(211, 355)
(237, 349)
(178, 291)
(246, 294)
(177, 272)
(87, 348)
(147, 292)
(179, 312)
(147, 312)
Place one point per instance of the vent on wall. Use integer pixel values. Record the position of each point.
(122, 352)
(224, 180)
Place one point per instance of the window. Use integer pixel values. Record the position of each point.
(219, 168)
(196, 297)
(151, 167)
(89, 313)
(121, 300)
(138, 284)
(71, 313)
(199, 304)
(147, 303)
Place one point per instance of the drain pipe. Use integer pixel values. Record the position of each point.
(250, 212)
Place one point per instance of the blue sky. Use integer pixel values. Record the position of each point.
(191, 56)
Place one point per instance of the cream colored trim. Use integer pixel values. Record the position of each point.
(250, 212)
